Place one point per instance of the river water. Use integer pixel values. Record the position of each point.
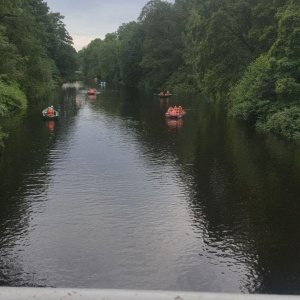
(113, 195)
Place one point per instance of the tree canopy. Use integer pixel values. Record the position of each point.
(242, 52)
(36, 50)
(36, 53)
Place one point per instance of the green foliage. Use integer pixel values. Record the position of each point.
(89, 57)
(38, 78)
(219, 44)
(131, 36)
(181, 81)
(268, 93)
(67, 62)
(59, 47)
(251, 96)
(101, 59)
(8, 58)
(285, 123)
(109, 59)
(11, 98)
(35, 53)
(243, 52)
(264, 26)
(162, 46)
(35, 47)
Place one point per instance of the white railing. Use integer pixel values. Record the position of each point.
(26, 293)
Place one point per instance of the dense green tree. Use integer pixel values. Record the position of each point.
(42, 41)
(268, 94)
(36, 47)
(116, 58)
(88, 58)
(59, 47)
(263, 29)
(8, 58)
(24, 33)
(244, 52)
(162, 46)
(35, 52)
(218, 44)
(101, 59)
(109, 58)
(144, 53)
(131, 36)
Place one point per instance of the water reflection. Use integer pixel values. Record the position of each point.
(174, 123)
(50, 124)
(92, 97)
(164, 102)
(115, 196)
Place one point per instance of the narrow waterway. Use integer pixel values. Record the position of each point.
(114, 195)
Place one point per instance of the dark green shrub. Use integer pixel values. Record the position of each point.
(11, 98)
(285, 123)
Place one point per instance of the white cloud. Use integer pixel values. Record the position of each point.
(81, 41)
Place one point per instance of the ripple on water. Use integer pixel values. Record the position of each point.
(114, 198)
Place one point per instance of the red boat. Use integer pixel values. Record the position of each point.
(91, 91)
(175, 112)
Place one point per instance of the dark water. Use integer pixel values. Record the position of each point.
(113, 195)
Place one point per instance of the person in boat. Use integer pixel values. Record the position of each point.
(161, 93)
(177, 110)
(50, 111)
(167, 93)
(170, 109)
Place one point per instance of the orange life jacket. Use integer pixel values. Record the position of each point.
(50, 112)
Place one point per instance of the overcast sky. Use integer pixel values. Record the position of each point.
(87, 20)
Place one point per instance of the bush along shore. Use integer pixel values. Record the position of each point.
(36, 54)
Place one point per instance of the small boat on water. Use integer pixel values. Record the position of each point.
(91, 91)
(175, 112)
(166, 95)
(50, 113)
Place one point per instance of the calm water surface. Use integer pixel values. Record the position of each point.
(113, 195)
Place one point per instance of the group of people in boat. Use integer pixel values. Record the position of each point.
(91, 91)
(164, 94)
(175, 112)
(177, 109)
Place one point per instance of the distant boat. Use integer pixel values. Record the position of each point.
(50, 114)
(164, 95)
(91, 91)
(175, 113)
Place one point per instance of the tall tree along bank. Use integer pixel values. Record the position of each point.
(36, 53)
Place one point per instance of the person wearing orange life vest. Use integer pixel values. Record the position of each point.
(50, 111)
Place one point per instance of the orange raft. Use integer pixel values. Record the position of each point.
(175, 112)
(91, 91)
